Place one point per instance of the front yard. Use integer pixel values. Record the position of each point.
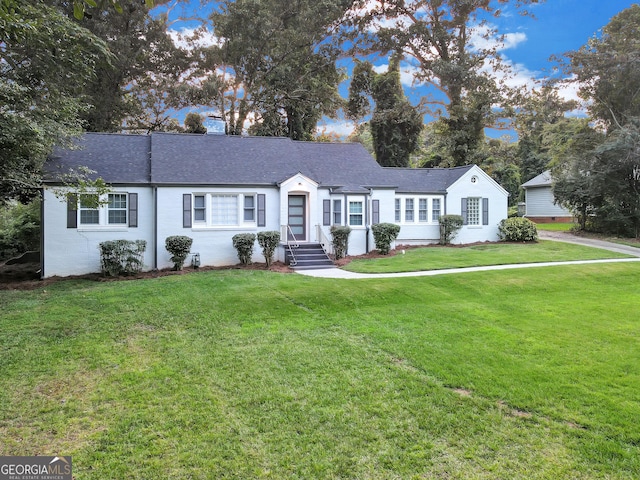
(248, 374)
(436, 257)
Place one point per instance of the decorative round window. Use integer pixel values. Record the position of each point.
(474, 179)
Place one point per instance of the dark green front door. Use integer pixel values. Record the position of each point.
(297, 217)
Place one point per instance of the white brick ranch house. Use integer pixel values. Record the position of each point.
(211, 187)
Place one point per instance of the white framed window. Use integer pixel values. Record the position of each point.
(224, 209)
(414, 209)
(423, 210)
(249, 208)
(213, 210)
(435, 210)
(117, 209)
(109, 210)
(89, 213)
(408, 210)
(473, 211)
(356, 213)
(199, 208)
(337, 212)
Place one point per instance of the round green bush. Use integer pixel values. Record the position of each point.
(243, 243)
(517, 229)
(384, 234)
(122, 257)
(269, 242)
(340, 240)
(449, 227)
(179, 247)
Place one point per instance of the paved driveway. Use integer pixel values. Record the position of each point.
(589, 242)
(555, 236)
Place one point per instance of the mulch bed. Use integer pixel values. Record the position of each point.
(26, 276)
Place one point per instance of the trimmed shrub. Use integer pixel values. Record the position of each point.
(179, 247)
(122, 257)
(517, 229)
(243, 243)
(269, 242)
(384, 234)
(340, 240)
(450, 225)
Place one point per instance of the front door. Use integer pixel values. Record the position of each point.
(297, 217)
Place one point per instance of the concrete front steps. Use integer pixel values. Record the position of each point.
(308, 256)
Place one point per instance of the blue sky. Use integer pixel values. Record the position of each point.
(559, 26)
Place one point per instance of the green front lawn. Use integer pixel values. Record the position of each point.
(246, 374)
(437, 258)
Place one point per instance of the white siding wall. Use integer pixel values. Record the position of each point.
(417, 232)
(214, 244)
(358, 238)
(484, 187)
(539, 202)
(74, 251)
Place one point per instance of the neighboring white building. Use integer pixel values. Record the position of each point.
(540, 205)
(211, 187)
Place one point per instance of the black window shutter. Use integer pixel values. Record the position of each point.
(133, 209)
(375, 212)
(262, 211)
(72, 210)
(464, 211)
(326, 212)
(485, 211)
(186, 210)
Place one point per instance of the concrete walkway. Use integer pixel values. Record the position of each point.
(544, 235)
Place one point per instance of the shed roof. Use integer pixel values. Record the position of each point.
(543, 180)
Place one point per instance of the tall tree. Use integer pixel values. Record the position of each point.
(455, 50)
(274, 61)
(395, 124)
(136, 90)
(45, 59)
(607, 69)
(501, 162)
(571, 143)
(538, 110)
(194, 123)
(600, 178)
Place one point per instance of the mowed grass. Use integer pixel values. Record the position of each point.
(525, 374)
(556, 227)
(437, 257)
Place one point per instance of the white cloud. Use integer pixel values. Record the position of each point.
(483, 37)
(342, 128)
(187, 38)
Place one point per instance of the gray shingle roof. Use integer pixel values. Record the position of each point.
(189, 159)
(425, 180)
(542, 180)
(116, 158)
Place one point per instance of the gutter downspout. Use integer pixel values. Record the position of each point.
(41, 233)
(155, 227)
